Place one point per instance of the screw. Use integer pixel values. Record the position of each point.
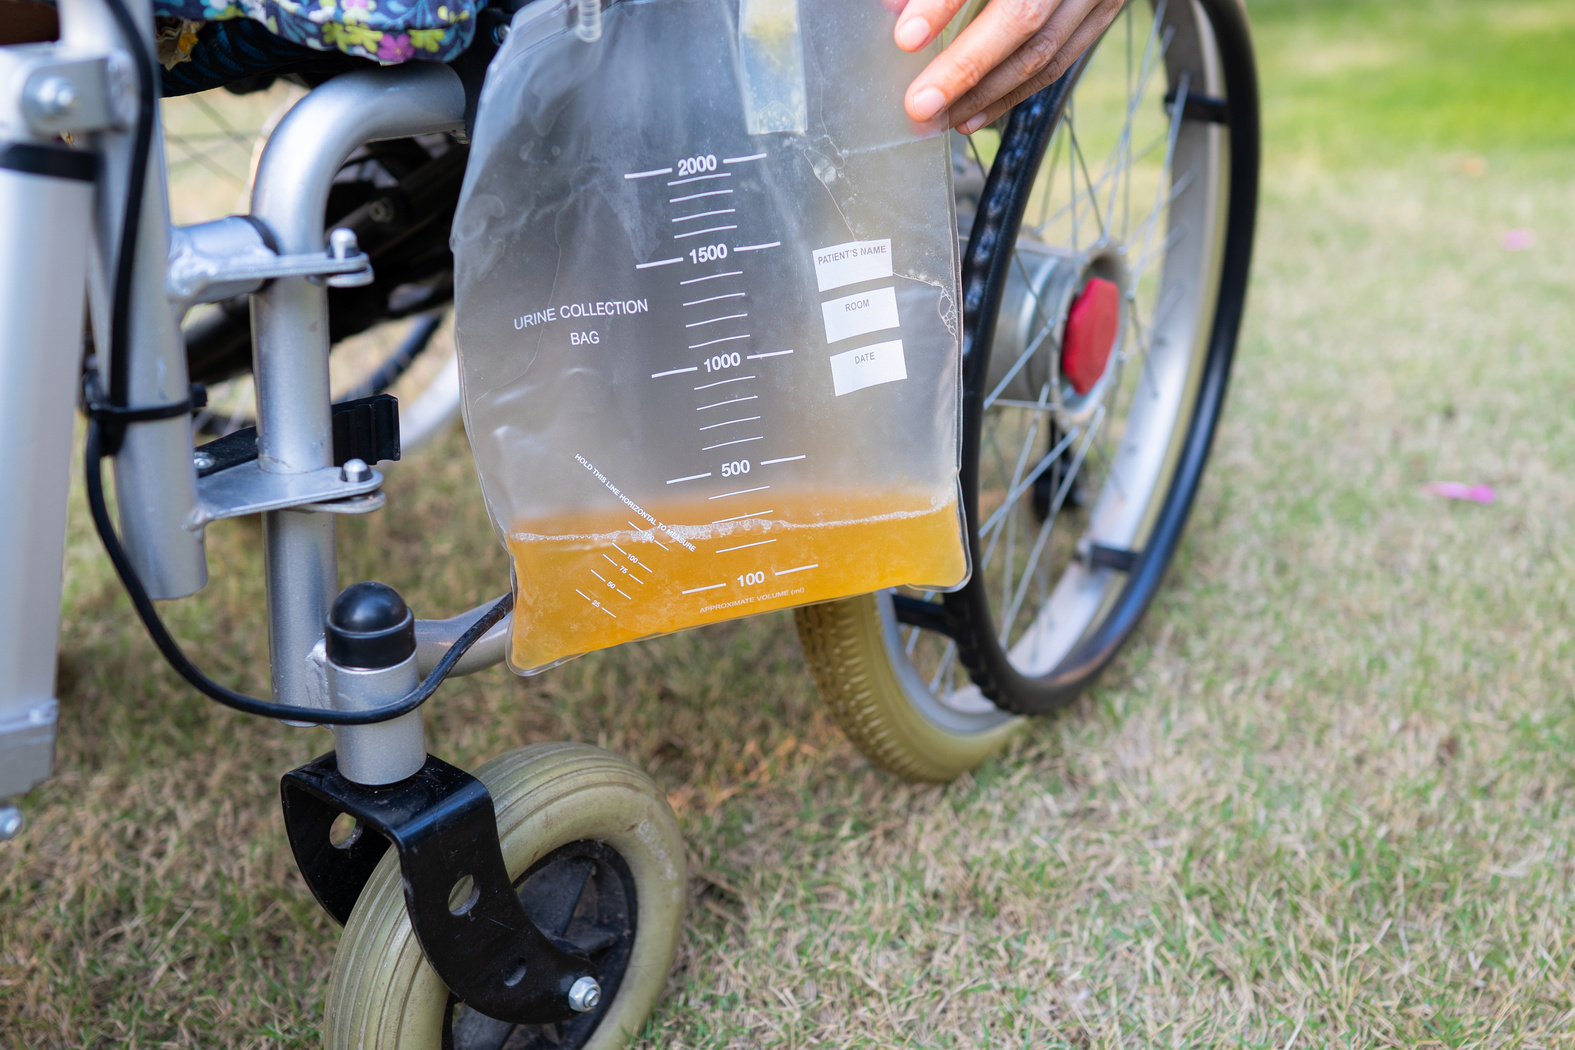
(202, 460)
(585, 996)
(355, 471)
(55, 97)
(342, 244)
(500, 34)
(382, 211)
(11, 824)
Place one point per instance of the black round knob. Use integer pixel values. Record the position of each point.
(370, 627)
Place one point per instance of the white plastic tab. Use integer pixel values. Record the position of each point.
(868, 366)
(852, 263)
(860, 314)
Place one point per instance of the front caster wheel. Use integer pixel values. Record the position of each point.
(595, 853)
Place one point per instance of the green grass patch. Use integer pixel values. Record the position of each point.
(1372, 81)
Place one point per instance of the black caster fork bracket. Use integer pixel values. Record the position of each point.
(475, 933)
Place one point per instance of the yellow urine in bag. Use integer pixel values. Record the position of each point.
(588, 582)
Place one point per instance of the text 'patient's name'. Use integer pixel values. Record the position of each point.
(852, 263)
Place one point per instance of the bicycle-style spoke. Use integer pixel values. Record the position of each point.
(942, 672)
(993, 523)
(1013, 605)
(1088, 183)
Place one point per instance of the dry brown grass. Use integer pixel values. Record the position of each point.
(1324, 798)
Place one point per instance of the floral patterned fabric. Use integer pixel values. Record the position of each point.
(386, 31)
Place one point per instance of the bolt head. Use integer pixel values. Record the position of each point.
(585, 996)
(12, 822)
(382, 210)
(342, 243)
(355, 471)
(56, 97)
(202, 460)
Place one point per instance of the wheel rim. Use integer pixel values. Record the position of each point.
(582, 893)
(1136, 195)
(927, 669)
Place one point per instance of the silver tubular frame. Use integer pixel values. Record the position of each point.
(290, 332)
(47, 224)
(42, 269)
(434, 638)
(155, 481)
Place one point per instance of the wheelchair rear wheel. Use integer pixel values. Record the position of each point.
(1103, 284)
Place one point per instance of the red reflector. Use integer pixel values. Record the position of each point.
(1091, 328)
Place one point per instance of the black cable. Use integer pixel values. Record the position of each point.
(171, 650)
(131, 222)
(110, 420)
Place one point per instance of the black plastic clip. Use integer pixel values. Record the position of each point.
(442, 825)
(366, 429)
(928, 616)
(1204, 108)
(115, 418)
(1117, 558)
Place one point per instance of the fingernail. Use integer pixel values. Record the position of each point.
(926, 103)
(972, 124)
(913, 33)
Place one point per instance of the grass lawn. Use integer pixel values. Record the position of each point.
(1324, 798)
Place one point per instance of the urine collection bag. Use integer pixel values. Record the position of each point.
(707, 316)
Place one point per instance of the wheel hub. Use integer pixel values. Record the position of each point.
(1092, 325)
(1062, 317)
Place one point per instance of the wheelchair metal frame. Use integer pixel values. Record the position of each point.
(61, 214)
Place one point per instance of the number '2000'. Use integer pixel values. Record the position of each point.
(696, 165)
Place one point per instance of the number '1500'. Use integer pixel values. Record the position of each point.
(710, 253)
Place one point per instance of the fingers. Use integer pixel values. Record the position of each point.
(1000, 30)
(1074, 27)
(921, 21)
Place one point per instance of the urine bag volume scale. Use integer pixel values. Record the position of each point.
(709, 370)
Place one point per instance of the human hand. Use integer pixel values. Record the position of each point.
(1011, 50)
